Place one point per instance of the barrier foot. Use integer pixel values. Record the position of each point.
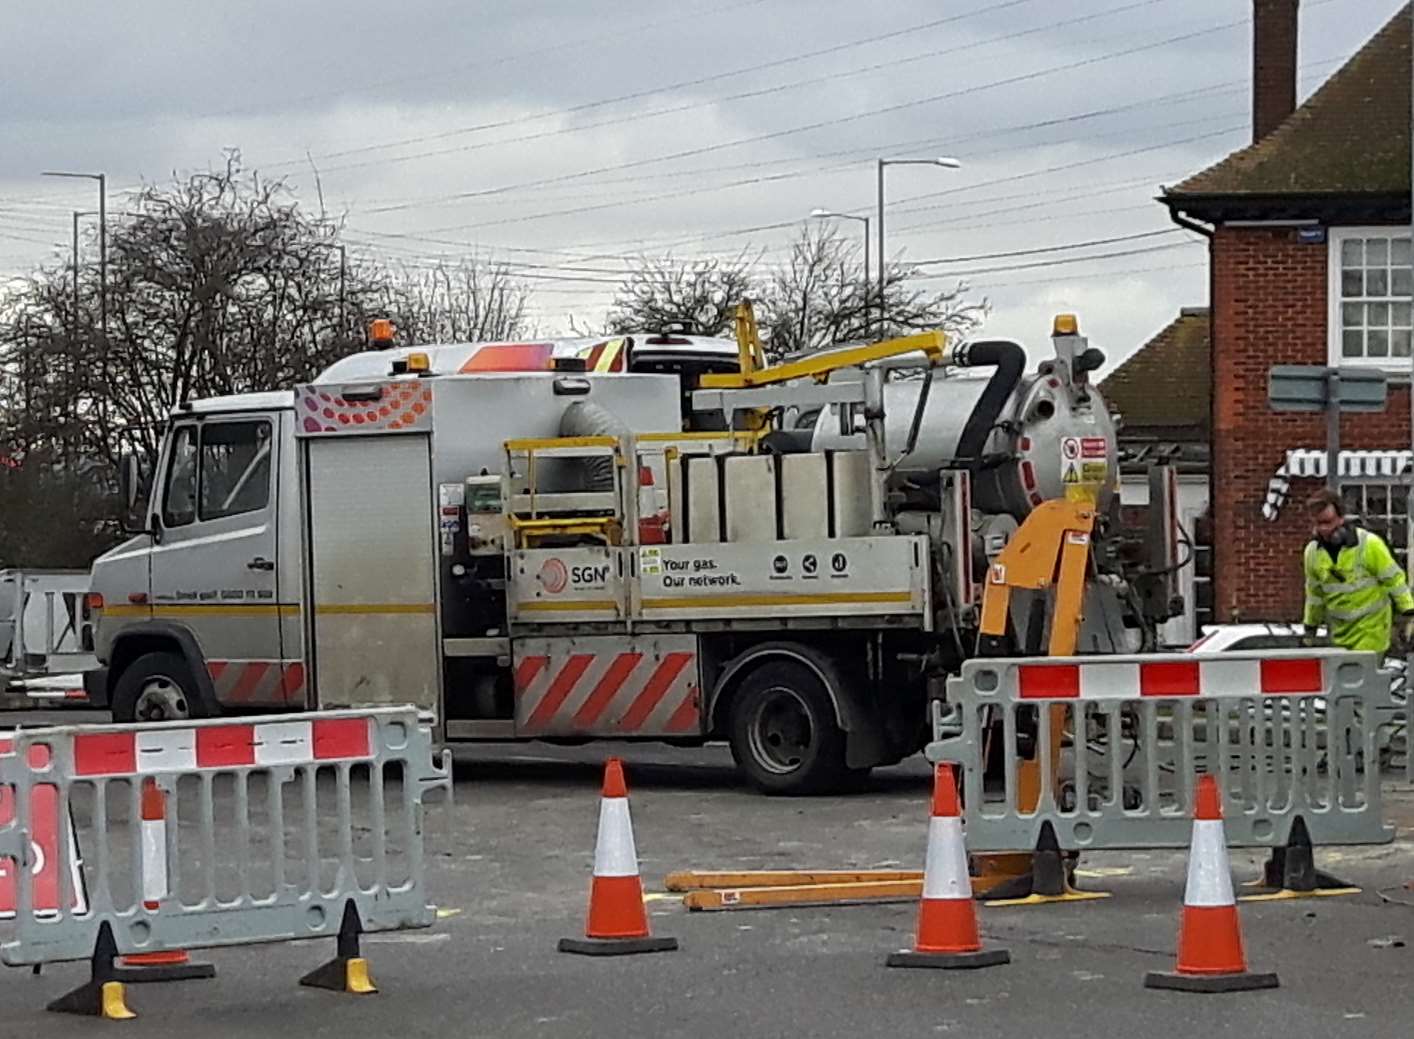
(348, 970)
(1290, 872)
(616, 946)
(1045, 883)
(1244, 982)
(143, 968)
(100, 996)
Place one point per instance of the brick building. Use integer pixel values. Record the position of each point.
(1309, 263)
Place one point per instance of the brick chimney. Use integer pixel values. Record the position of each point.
(1273, 64)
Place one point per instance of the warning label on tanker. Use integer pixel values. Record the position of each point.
(1093, 447)
(1071, 473)
(1093, 472)
(1070, 448)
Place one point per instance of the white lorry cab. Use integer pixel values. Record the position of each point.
(650, 537)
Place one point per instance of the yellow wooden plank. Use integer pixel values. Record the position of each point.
(804, 895)
(693, 880)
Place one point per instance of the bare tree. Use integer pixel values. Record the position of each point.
(698, 296)
(819, 297)
(455, 303)
(217, 283)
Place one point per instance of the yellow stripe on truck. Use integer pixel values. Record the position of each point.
(375, 607)
(201, 609)
(826, 599)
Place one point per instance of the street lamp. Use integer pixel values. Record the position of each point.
(830, 214)
(102, 240)
(78, 213)
(946, 163)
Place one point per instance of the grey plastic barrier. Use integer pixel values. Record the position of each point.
(1287, 733)
(285, 828)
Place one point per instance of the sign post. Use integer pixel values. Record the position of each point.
(1313, 387)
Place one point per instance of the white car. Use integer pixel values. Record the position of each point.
(1227, 638)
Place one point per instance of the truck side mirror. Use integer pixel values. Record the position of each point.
(130, 488)
(128, 483)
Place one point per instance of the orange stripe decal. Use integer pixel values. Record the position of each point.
(526, 673)
(687, 717)
(251, 676)
(559, 690)
(292, 683)
(654, 691)
(603, 693)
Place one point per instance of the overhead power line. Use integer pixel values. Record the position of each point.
(714, 102)
(819, 124)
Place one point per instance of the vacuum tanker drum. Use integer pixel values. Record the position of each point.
(1023, 444)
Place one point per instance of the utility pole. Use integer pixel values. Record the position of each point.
(102, 240)
(947, 164)
(343, 301)
(77, 214)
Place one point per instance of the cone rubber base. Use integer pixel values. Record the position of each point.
(949, 960)
(342, 974)
(105, 999)
(140, 974)
(1244, 982)
(616, 946)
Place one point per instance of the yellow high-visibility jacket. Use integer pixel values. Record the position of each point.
(1352, 594)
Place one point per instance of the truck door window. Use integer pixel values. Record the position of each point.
(235, 468)
(179, 496)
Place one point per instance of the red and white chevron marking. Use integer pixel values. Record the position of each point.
(1177, 677)
(169, 748)
(627, 692)
(258, 683)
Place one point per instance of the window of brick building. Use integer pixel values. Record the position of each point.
(1371, 283)
(1383, 508)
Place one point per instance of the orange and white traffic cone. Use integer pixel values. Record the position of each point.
(618, 922)
(170, 964)
(1210, 954)
(947, 916)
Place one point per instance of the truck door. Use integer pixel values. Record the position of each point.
(214, 553)
(372, 571)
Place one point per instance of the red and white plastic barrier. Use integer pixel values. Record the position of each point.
(167, 749)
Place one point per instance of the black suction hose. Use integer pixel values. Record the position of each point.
(1009, 361)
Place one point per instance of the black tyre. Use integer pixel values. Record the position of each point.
(783, 731)
(158, 687)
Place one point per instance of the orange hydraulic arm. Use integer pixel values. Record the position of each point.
(1050, 549)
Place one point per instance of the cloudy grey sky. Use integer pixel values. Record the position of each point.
(567, 138)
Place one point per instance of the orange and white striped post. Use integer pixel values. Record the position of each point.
(618, 923)
(947, 937)
(1210, 952)
(170, 964)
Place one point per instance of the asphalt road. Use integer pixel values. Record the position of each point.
(510, 865)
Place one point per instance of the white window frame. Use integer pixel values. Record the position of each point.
(1335, 238)
(1390, 519)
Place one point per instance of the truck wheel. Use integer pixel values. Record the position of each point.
(783, 732)
(157, 687)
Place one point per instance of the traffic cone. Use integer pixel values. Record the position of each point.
(1210, 955)
(947, 916)
(170, 964)
(618, 923)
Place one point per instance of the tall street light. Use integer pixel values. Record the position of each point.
(78, 214)
(830, 214)
(102, 240)
(946, 163)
